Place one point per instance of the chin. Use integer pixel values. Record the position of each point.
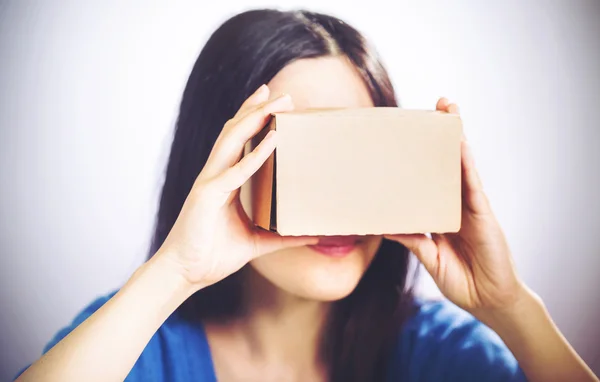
(317, 273)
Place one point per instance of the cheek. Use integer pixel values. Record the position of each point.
(311, 275)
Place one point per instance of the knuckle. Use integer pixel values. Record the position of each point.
(230, 123)
(255, 111)
(242, 171)
(226, 147)
(263, 110)
(251, 156)
(203, 189)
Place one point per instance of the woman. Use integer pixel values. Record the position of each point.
(222, 299)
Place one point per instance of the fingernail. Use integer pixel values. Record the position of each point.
(283, 102)
(262, 90)
(270, 135)
(452, 109)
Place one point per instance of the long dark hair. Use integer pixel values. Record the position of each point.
(246, 51)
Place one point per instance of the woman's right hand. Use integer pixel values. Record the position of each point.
(213, 237)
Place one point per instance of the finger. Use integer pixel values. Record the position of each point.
(234, 177)
(443, 243)
(442, 104)
(252, 120)
(447, 246)
(237, 132)
(261, 95)
(268, 242)
(474, 197)
(424, 248)
(453, 109)
(439, 239)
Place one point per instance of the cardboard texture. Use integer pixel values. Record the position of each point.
(360, 171)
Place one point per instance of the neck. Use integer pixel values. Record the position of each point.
(279, 327)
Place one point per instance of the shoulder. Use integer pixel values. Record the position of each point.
(178, 351)
(441, 342)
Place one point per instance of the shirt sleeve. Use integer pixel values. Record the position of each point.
(441, 342)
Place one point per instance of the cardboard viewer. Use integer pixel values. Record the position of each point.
(360, 171)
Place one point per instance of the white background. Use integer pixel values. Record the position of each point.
(89, 93)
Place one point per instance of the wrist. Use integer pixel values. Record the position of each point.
(541, 350)
(167, 276)
(526, 308)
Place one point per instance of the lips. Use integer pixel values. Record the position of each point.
(337, 241)
(336, 246)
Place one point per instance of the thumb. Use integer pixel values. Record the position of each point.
(267, 241)
(424, 248)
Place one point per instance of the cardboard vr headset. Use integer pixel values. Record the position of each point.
(380, 170)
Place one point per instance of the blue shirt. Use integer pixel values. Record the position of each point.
(440, 342)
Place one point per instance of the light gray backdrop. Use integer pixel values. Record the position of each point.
(89, 92)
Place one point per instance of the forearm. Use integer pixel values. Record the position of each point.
(106, 346)
(537, 344)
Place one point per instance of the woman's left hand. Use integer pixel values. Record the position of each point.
(473, 267)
